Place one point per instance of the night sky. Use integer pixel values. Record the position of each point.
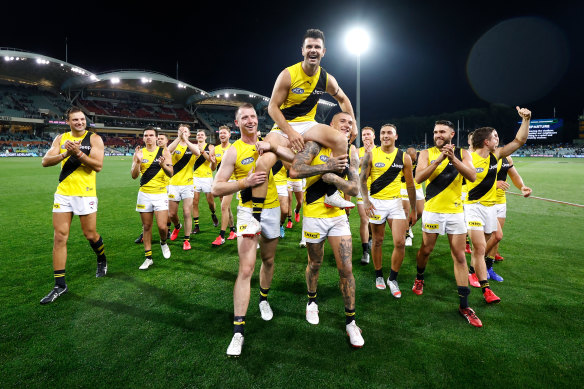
(517, 53)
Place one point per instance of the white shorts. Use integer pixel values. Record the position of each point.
(270, 221)
(480, 217)
(282, 190)
(79, 205)
(419, 194)
(152, 202)
(299, 127)
(315, 230)
(203, 184)
(180, 192)
(443, 223)
(386, 209)
(296, 186)
(501, 211)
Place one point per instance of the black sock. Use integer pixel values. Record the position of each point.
(311, 297)
(471, 270)
(420, 275)
(148, 253)
(365, 247)
(238, 324)
(379, 273)
(463, 292)
(257, 207)
(178, 227)
(349, 315)
(484, 285)
(168, 224)
(232, 228)
(187, 238)
(392, 275)
(162, 242)
(59, 278)
(467, 239)
(264, 294)
(222, 234)
(99, 249)
(489, 261)
(196, 220)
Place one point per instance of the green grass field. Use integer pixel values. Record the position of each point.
(170, 326)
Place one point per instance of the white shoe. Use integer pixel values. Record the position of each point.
(365, 258)
(234, 349)
(312, 313)
(380, 283)
(266, 311)
(253, 227)
(302, 242)
(355, 337)
(147, 263)
(411, 233)
(408, 241)
(165, 251)
(394, 288)
(336, 200)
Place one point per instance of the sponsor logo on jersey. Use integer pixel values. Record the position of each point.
(311, 235)
(318, 92)
(379, 164)
(480, 170)
(397, 166)
(298, 91)
(324, 158)
(85, 147)
(144, 160)
(493, 167)
(177, 151)
(247, 161)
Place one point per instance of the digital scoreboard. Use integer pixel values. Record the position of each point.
(545, 131)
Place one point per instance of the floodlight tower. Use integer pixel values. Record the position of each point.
(357, 40)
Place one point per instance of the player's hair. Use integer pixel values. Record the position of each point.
(162, 133)
(244, 105)
(203, 131)
(224, 127)
(389, 125)
(340, 113)
(480, 135)
(367, 128)
(447, 123)
(185, 125)
(314, 34)
(73, 110)
(150, 128)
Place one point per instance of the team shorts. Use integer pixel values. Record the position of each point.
(152, 202)
(501, 211)
(78, 205)
(282, 190)
(480, 217)
(315, 230)
(270, 221)
(299, 127)
(180, 192)
(443, 223)
(386, 209)
(202, 184)
(296, 186)
(419, 194)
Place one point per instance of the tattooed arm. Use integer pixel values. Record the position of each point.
(350, 186)
(301, 167)
(365, 172)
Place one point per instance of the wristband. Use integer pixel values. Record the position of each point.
(79, 154)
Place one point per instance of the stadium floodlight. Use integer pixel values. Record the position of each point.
(115, 80)
(226, 95)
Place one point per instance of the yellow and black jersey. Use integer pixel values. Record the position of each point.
(280, 173)
(220, 153)
(484, 189)
(444, 186)
(76, 179)
(386, 173)
(304, 93)
(183, 161)
(503, 166)
(245, 162)
(316, 189)
(154, 180)
(202, 167)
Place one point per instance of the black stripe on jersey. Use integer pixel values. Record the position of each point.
(183, 161)
(482, 188)
(152, 170)
(315, 191)
(245, 195)
(308, 104)
(445, 178)
(505, 166)
(277, 167)
(73, 162)
(389, 175)
(201, 160)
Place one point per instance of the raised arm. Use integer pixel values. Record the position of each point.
(520, 138)
(136, 162)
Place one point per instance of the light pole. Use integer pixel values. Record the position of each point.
(357, 41)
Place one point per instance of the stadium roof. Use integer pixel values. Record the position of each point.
(230, 97)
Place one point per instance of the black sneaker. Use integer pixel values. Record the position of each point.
(215, 221)
(101, 269)
(139, 239)
(196, 230)
(54, 294)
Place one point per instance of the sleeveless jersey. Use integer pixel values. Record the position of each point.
(183, 161)
(484, 189)
(220, 153)
(154, 179)
(202, 167)
(280, 173)
(245, 161)
(444, 186)
(76, 179)
(315, 191)
(304, 93)
(386, 174)
(414, 166)
(503, 166)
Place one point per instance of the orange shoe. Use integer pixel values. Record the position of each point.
(491, 297)
(297, 217)
(174, 234)
(473, 280)
(232, 235)
(418, 287)
(289, 224)
(498, 258)
(186, 245)
(470, 316)
(218, 241)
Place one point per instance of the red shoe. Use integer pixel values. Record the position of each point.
(186, 245)
(289, 224)
(218, 241)
(498, 258)
(297, 217)
(467, 249)
(491, 297)
(418, 287)
(470, 316)
(473, 280)
(174, 234)
(232, 235)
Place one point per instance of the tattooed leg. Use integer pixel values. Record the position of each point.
(343, 250)
(315, 254)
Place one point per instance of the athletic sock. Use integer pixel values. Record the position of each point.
(162, 242)
(232, 228)
(99, 249)
(196, 220)
(148, 254)
(349, 315)
(365, 247)
(471, 270)
(392, 275)
(467, 239)
(420, 274)
(379, 273)
(463, 292)
(311, 297)
(257, 204)
(168, 224)
(59, 278)
(222, 234)
(187, 238)
(238, 324)
(484, 285)
(489, 261)
(178, 227)
(264, 294)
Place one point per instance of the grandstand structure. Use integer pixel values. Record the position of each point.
(36, 91)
